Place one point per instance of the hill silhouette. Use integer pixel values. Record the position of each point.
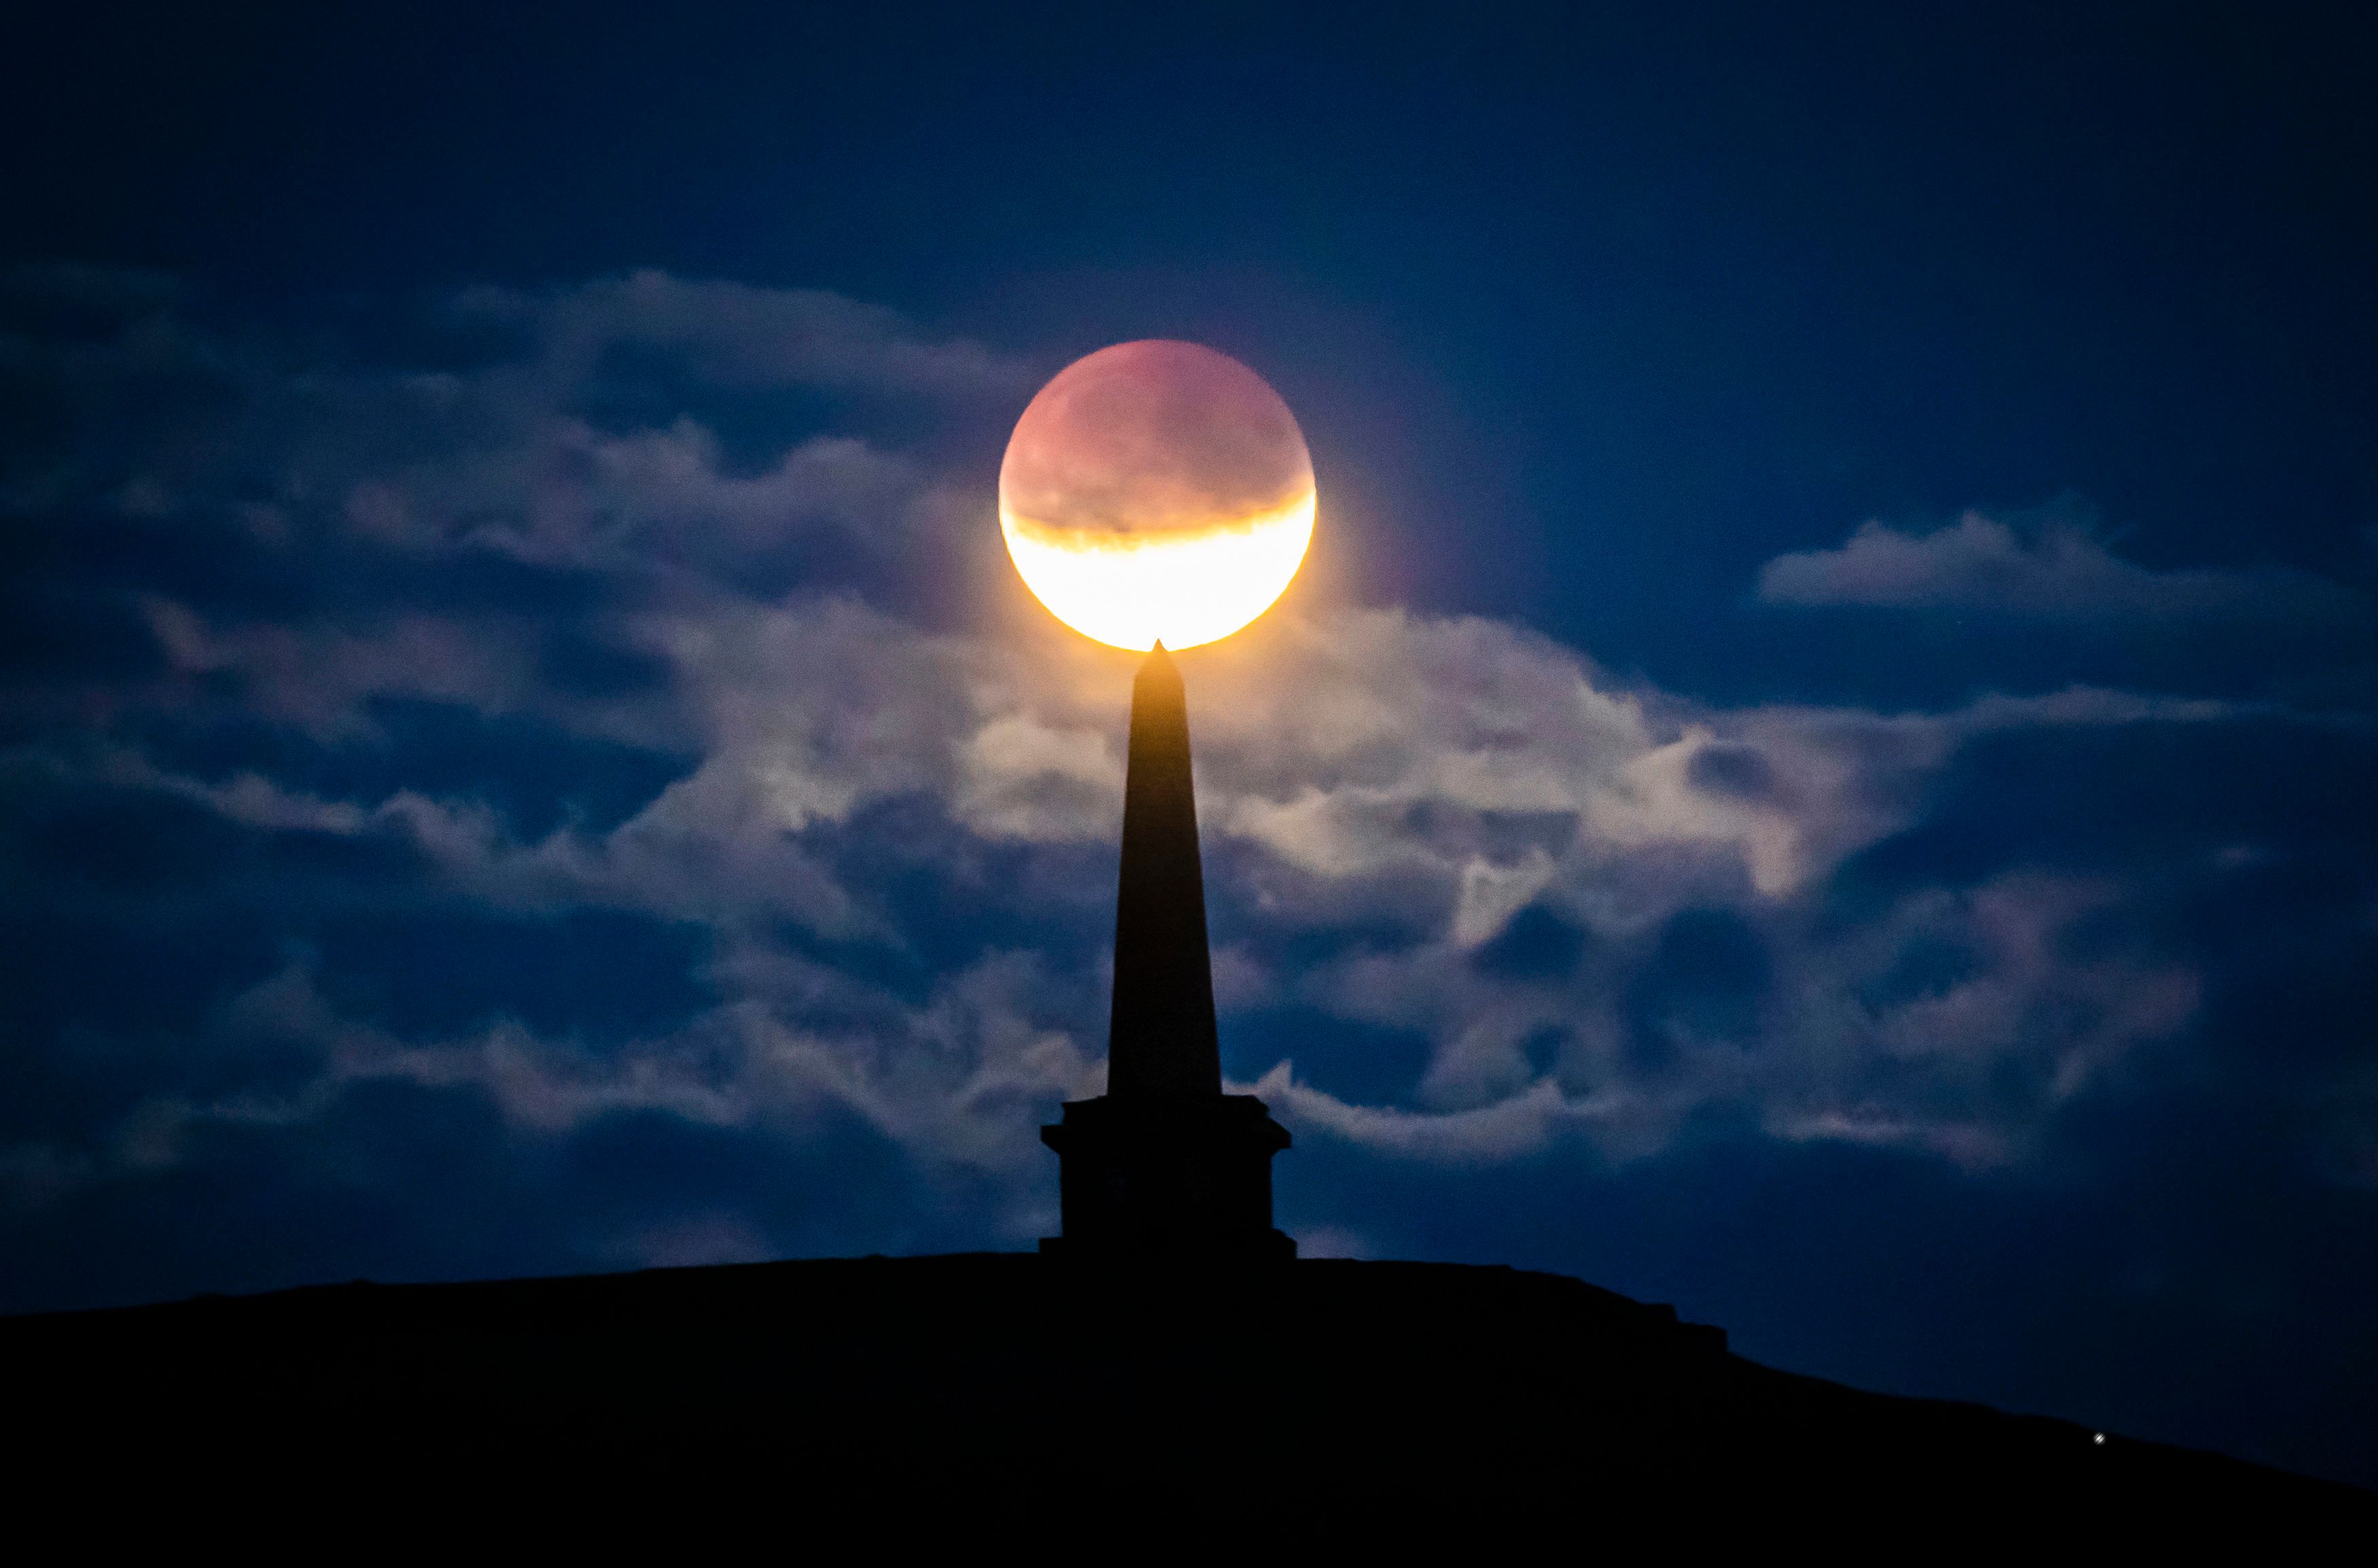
(1351, 1400)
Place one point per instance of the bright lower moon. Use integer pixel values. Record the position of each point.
(1156, 491)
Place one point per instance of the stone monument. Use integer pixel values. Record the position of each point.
(1164, 1164)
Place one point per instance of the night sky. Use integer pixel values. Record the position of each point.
(1820, 769)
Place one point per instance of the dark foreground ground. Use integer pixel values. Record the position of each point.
(1346, 1402)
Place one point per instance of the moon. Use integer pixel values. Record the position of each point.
(1156, 491)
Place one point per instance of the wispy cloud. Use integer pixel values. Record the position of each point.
(2047, 568)
(407, 681)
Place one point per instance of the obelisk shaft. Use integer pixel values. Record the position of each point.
(1161, 1039)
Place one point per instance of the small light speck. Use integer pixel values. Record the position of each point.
(2099, 1439)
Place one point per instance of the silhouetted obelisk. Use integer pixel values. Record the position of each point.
(1164, 1163)
(1161, 1038)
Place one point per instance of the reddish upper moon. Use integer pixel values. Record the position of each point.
(1156, 490)
(1151, 436)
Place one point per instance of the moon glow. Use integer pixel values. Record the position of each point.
(1156, 491)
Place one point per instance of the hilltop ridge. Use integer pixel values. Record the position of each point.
(993, 1382)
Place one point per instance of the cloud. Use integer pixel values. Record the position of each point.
(1341, 777)
(2050, 569)
(741, 335)
(960, 1080)
(509, 422)
(1515, 1125)
(484, 748)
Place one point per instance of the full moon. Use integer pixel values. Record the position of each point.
(1156, 491)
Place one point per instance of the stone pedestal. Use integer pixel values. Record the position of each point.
(1167, 1176)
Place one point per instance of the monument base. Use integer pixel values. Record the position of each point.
(1161, 1177)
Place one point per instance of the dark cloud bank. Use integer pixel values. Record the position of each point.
(482, 800)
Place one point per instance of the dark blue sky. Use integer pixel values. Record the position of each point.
(519, 754)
